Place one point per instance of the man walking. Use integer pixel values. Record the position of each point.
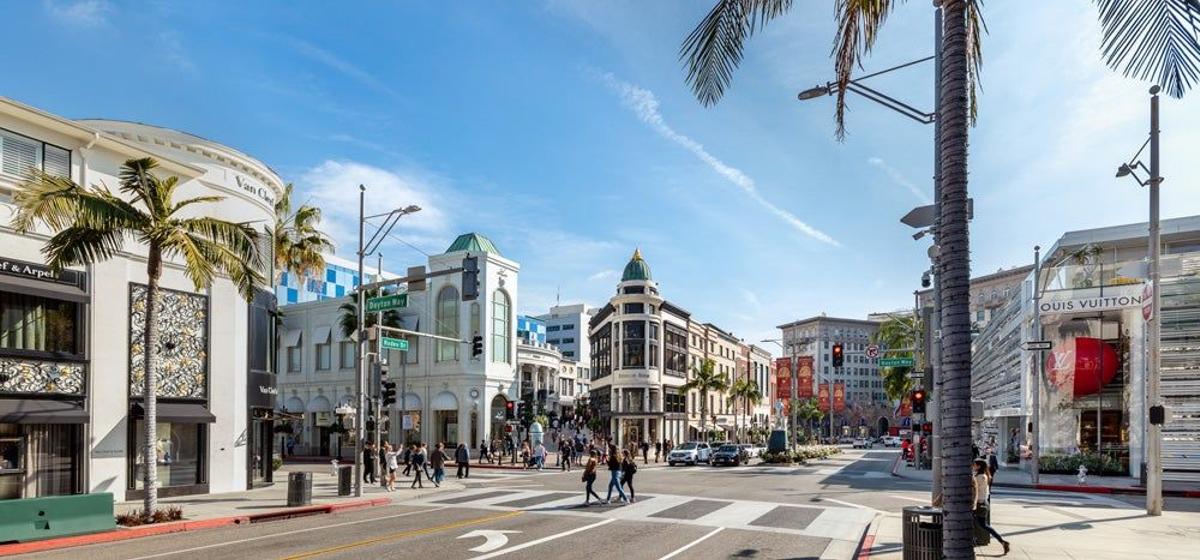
(657, 450)
(645, 453)
(369, 460)
(418, 464)
(539, 456)
(462, 458)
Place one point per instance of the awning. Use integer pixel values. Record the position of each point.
(43, 289)
(291, 338)
(41, 411)
(184, 413)
(320, 335)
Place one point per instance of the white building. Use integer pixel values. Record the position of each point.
(449, 394)
(566, 329)
(69, 343)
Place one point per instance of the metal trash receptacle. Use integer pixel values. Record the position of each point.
(345, 474)
(299, 489)
(922, 533)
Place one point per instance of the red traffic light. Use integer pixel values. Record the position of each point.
(508, 429)
(837, 356)
(918, 395)
(509, 405)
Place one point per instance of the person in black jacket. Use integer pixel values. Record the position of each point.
(628, 469)
(462, 457)
(368, 459)
(418, 464)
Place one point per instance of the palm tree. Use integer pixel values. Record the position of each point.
(299, 246)
(704, 379)
(898, 331)
(1153, 40)
(92, 224)
(744, 391)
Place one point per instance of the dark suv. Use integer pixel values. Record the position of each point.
(729, 455)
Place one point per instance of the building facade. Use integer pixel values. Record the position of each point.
(989, 293)
(70, 341)
(338, 280)
(531, 329)
(566, 329)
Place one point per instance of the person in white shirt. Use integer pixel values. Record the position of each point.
(981, 498)
(390, 456)
(539, 455)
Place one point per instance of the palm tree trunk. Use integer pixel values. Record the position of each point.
(150, 389)
(955, 277)
(703, 415)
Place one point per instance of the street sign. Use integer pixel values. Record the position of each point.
(916, 374)
(906, 421)
(388, 343)
(924, 216)
(895, 362)
(872, 351)
(1037, 345)
(386, 303)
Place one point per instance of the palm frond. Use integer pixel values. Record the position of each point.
(859, 22)
(58, 202)
(77, 245)
(135, 178)
(714, 48)
(195, 200)
(1155, 40)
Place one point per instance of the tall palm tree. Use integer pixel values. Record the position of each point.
(705, 379)
(91, 224)
(298, 243)
(743, 393)
(898, 331)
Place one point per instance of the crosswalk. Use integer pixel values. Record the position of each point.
(842, 523)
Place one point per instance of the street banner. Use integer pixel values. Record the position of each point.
(804, 377)
(783, 379)
(905, 407)
(839, 396)
(823, 396)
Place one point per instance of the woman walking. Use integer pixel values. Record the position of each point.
(615, 457)
(389, 455)
(628, 469)
(589, 478)
(418, 465)
(982, 496)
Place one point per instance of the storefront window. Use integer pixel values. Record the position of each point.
(38, 460)
(634, 344)
(179, 450)
(447, 323)
(37, 323)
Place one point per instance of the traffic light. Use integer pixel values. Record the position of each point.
(918, 401)
(470, 278)
(476, 346)
(838, 357)
(389, 393)
(510, 411)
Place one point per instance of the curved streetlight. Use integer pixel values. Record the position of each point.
(815, 92)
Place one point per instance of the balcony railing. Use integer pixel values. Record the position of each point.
(45, 377)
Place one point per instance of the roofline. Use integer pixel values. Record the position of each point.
(827, 318)
(1115, 234)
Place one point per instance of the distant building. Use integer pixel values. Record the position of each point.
(531, 329)
(339, 279)
(989, 293)
(566, 329)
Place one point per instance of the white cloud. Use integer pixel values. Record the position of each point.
(333, 186)
(84, 13)
(346, 68)
(602, 275)
(900, 179)
(645, 105)
(172, 51)
(751, 298)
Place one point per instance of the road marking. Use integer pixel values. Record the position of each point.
(848, 504)
(404, 534)
(543, 540)
(493, 539)
(921, 500)
(691, 544)
(292, 532)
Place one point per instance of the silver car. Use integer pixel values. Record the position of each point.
(690, 453)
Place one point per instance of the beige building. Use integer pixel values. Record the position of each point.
(989, 293)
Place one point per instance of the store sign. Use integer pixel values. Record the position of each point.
(1090, 299)
(255, 189)
(40, 272)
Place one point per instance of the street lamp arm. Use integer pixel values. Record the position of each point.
(891, 103)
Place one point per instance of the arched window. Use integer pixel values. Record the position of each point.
(501, 338)
(447, 323)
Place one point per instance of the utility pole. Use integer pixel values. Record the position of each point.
(1154, 430)
(377, 382)
(1035, 424)
(361, 366)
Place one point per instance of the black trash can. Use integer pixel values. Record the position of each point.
(345, 476)
(299, 489)
(922, 533)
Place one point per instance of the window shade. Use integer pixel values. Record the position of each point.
(17, 154)
(56, 161)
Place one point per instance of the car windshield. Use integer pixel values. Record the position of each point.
(729, 449)
(745, 446)
(688, 445)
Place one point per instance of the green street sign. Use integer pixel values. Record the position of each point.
(386, 303)
(895, 362)
(388, 343)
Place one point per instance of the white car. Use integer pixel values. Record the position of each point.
(891, 441)
(752, 451)
(690, 453)
(862, 443)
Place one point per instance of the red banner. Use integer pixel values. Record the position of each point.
(905, 406)
(804, 377)
(783, 379)
(823, 396)
(839, 396)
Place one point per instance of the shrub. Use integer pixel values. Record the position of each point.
(276, 463)
(1097, 464)
(139, 517)
(801, 454)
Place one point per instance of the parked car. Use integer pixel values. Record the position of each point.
(862, 443)
(690, 453)
(729, 455)
(846, 440)
(891, 441)
(752, 450)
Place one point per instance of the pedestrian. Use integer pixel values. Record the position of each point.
(589, 478)
(615, 457)
(369, 460)
(645, 453)
(628, 469)
(657, 450)
(483, 451)
(389, 455)
(993, 464)
(407, 458)
(525, 455)
(438, 460)
(462, 458)
(981, 484)
(567, 455)
(418, 464)
(291, 446)
(497, 451)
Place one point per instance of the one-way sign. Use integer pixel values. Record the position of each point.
(1037, 345)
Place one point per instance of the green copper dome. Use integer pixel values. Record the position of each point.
(473, 242)
(637, 269)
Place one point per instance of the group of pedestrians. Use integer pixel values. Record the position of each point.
(416, 460)
(621, 468)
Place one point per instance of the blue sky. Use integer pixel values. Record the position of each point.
(564, 131)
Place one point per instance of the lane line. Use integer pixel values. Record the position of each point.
(691, 544)
(403, 534)
(543, 540)
(285, 533)
(848, 504)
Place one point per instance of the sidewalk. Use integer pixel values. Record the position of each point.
(1011, 477)
(234, 508)
(1095, 533)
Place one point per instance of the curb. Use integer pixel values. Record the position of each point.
(123, 534)
(1122, 490)
(868, 540)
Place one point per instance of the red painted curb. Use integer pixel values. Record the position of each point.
(123, 533)
(864, 551)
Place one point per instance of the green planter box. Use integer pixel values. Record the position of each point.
(55, 516)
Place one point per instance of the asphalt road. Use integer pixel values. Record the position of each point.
(758, 512)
